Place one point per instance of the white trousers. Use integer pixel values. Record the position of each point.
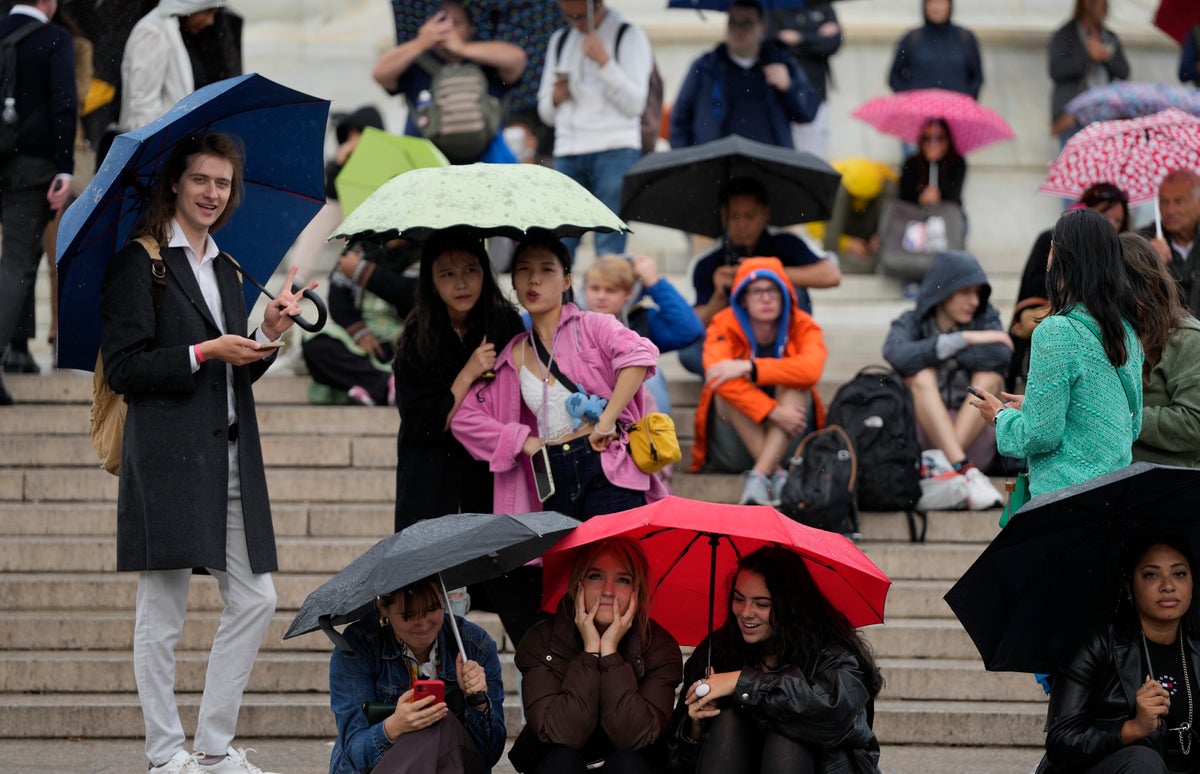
(813, 136)
(161, 606)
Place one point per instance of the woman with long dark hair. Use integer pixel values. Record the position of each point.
(524, 413)
(793, 683)
(1082, 406)
(1125, 702)
(1170, 337)
(937, 171)
(460, 320)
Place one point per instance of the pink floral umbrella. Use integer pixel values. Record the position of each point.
(973, 126)
(1133, 154)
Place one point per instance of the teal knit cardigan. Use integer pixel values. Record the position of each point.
(1080, 415)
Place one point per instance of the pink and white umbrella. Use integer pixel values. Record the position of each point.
(972, 126)
(1133, 154)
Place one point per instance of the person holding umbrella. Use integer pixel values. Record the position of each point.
(937, 171)
(1082, 53)
(598, 678)
(192, 491)
(1082, 407)
(1124, 701)
(790, 686)
(405, 641)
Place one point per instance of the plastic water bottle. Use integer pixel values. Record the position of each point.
(423, 100)
(10, 110)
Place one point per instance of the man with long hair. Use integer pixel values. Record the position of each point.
(192, 493)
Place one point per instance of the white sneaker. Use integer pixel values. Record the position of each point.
(234, 762)
(181, 763)
(982, 494)
(945, 492)
(757, 490)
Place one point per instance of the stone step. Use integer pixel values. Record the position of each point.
(284, 420)
(118, 715)
(922, 679)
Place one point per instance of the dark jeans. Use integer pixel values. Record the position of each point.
(734, 744)
(331, 363)
(1134, 759)
(581, 490)
(564, 760)
(24, 213)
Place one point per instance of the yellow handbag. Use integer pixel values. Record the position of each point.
(653, 443)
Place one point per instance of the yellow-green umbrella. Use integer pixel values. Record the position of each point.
(495, 199)
(378, 158)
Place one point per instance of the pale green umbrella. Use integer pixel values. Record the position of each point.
(378, 157)
(496, 199)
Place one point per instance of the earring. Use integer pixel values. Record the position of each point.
(383, 621)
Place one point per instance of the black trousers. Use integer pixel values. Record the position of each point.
(24, 213)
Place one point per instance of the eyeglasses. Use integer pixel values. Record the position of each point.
(764, 292)
(581, 17)
(409, 616)
(933, 138)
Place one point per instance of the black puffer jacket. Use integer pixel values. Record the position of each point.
(828, 710)
(1093, 696)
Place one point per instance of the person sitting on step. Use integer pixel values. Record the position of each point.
(763, 356)
(953, 339)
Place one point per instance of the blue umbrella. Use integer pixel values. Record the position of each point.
(284, 133)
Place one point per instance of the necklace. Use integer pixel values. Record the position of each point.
(1185, 731)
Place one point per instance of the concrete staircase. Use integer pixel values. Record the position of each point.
(65, 648)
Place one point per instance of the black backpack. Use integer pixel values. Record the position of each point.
(875, 408)
(9, 123)
(819, 491)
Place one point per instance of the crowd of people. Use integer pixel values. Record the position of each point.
(517, 407)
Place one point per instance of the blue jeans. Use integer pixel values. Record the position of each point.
(691, 357)
(602, 173)
(581, 490)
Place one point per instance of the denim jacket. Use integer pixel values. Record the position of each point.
(375, 672)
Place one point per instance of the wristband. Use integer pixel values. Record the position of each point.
(479, 700)
(199, 355)
(753, 372)
(612, 431)
(996, 416)
(357, 336)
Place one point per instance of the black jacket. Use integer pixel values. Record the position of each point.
(829, 710)
(1186, 272)
(45, 92)
(1093, 696)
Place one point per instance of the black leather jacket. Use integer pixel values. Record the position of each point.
(1093, 696)
(828, 710)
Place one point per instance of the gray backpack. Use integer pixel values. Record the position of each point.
(458, 115)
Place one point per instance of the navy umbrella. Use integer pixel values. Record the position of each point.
(283, 131)
(1053, 575)
(462, 548)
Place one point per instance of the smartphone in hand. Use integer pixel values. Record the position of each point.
(269, 345)
(434, 688)
(978, 393)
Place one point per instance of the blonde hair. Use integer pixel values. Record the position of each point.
(613, 269)
(630, 556)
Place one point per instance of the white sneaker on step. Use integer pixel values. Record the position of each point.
(234, 762)
(181, 763)
(982, 494)
(945, 492)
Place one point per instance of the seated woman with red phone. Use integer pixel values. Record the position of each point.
(404, 696)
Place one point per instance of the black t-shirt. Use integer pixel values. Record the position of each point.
(1167, 667)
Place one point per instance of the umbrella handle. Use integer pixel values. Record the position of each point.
(322, 313)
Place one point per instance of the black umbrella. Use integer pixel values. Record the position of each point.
(679, 188)
(462, 548)
(1053, 575)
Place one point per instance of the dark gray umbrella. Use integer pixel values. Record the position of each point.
(679, 188)
(464, 548)
(1053, 575)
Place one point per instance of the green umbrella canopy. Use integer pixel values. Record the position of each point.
(496, 199)
(378, 158)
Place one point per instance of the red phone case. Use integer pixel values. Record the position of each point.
(435, 688)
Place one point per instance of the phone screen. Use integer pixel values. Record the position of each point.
(271, 344)
(543, 479)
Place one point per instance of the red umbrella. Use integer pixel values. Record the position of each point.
(693, 546)
(1177, 17)
(972, 125)
(1133, 154)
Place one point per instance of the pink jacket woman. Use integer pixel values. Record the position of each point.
(492, 423)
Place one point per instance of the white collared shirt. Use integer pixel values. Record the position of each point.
(29, 10)
(204, 269)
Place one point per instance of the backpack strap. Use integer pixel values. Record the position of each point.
(20, 33)
(158, 267)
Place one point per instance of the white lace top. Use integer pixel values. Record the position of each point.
(555, 422)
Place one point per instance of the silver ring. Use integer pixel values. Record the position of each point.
(702, 689)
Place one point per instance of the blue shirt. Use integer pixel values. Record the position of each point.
(790, 249)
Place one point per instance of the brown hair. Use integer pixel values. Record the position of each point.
(613, 269)
(629, 555)
(420, 595)
(1156, 296)
(157, 220)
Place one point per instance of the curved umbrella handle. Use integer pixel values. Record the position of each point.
(322, 312)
